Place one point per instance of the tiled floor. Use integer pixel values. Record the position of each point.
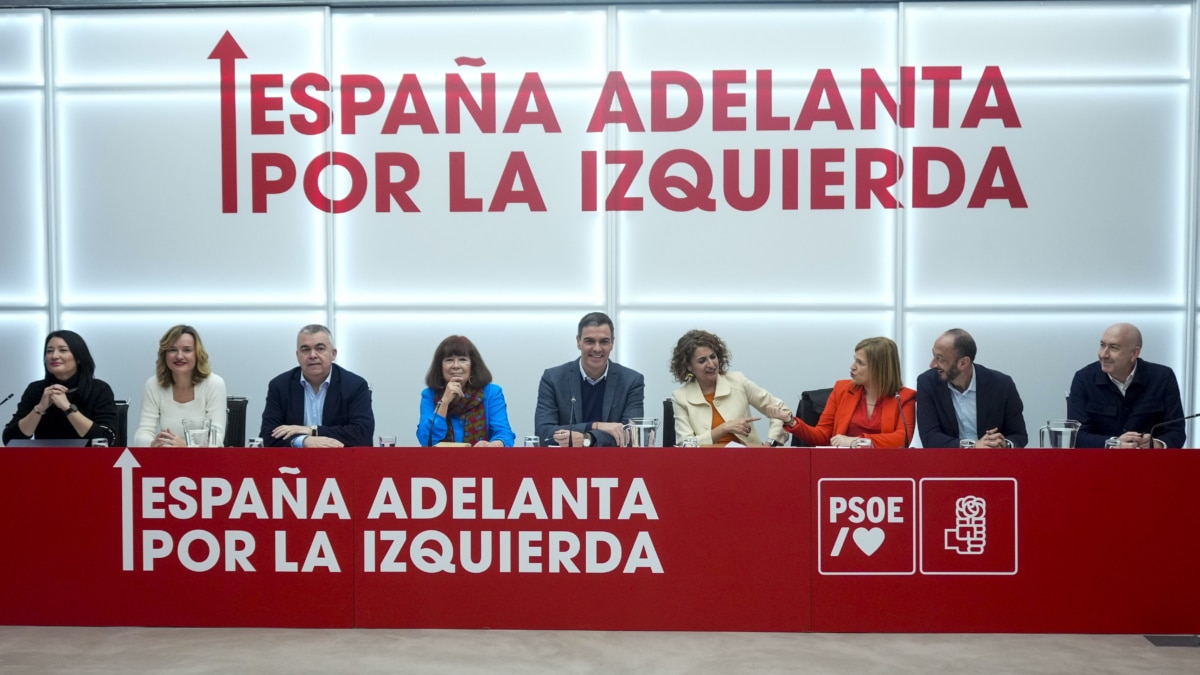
(192, 651)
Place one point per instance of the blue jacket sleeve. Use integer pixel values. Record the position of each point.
(430, 422)
(497, 416)
(1077, 409)
(928, 423)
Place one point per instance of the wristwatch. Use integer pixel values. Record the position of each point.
(71, 409)
(587, 439)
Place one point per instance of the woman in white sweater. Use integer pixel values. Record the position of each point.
(183, 387)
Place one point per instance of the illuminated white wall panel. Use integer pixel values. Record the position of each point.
(138, 228)
(1041, 351)
(699, 39)
(21, 361)
(246, 349)
(390, 43)
(167, 228)
(474, 258)
(21, 49)
(22, 192)
(1097, 199)
(131, 49)
(1082, 41)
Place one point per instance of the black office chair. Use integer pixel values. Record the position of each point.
(812, 404)
(668, 434)
(121, 433)
(235, 422)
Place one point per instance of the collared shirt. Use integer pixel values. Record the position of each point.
(590, 380)
(966, 409)
(1122, 386)
(314, 406)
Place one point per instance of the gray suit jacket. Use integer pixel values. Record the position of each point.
(624, 395)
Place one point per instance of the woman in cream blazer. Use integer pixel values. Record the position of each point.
(711, 392)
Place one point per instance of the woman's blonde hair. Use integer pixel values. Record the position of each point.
(883, 362)
(168, 340)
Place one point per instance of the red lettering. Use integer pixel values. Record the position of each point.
(922, 161)
(941, 77)
(352, 108)
(459, 201)
(516, 170)
(421, 116)
(723, 100)
(483, 112)
(626, 113)
(824, 86)
(874, 91)
(262, 185)
(866, 184)
(387, 190)
(261, 104)
(660, 120)
(312, 182)
(320, 122)
(791, 179)
(693, 195)
(992, 83)
(763, 119)
(588, 184)
(542, 114)
(821, 178)
(733, 178)
(1009, 189)
(631, 161)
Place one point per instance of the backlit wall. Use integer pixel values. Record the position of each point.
(792, 177)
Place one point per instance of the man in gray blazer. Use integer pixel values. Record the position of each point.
(585, 402)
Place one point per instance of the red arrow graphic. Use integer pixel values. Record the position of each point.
(227, 52)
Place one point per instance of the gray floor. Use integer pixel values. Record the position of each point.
(180, 651)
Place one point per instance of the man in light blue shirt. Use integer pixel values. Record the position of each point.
(318, 404)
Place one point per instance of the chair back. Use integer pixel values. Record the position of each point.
(121, 433)
(812, 404)
(235, 421)
(668, 429)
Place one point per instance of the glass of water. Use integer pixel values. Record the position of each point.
(196, 432)
(255, 442)
(387, 441)
(531, 441)
(862, 443)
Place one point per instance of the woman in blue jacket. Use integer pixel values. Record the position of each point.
(460, 404)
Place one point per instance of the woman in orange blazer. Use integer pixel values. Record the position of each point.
(872, 404)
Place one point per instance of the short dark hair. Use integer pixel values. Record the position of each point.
(964, 344)
(85, 365)
(595, 319)
(457, 345)
(692, 340)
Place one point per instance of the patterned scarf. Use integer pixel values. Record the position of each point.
(469, 407)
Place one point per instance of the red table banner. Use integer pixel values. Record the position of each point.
(762, 539)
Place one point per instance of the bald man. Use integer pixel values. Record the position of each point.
(1122, 396)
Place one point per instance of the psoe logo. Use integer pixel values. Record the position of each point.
(866, 526)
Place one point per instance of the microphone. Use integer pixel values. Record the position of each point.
(903, 419)
(6, 399)
(434, 418)
(1152, 429)
(571, 423)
